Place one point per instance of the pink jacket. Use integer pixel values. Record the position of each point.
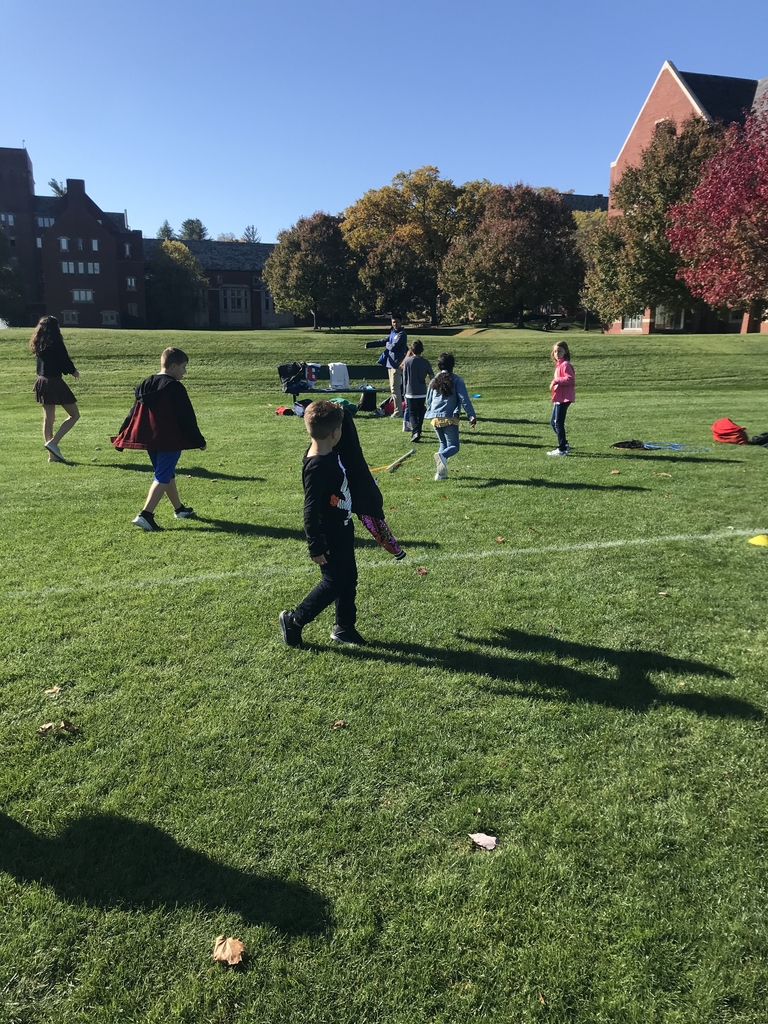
(563, 386)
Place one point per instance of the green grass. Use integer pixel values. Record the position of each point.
(600, 709)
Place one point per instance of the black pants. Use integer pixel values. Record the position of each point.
(557, 422)
(338, 585)
(414, 413)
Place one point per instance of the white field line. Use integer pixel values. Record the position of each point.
(449, 556)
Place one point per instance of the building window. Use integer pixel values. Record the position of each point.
(133, 309)
(67, 267)
(80, 243)
(94, 268)
(130, 284)
(39, 242)
(82, 295)
(69, 316)
(6, 220)
(735, 316)
(127, 249)
(109, 318)
(81, 268)
(45, 222)
(95, 244)
(632, 323)
(64, 244)
(668, 320)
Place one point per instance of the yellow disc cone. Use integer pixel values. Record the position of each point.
(761, 540)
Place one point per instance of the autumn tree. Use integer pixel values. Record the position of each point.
(401, 234)
(631, 264)
(175, 281)
(193, 230)
(311, 269)
(522, 254)
(721, 232)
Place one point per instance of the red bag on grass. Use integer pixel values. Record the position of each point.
(728, 432)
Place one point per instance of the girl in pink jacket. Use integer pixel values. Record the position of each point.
(563, 388)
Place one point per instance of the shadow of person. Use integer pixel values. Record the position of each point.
(565, 485)
(362, 538)
(113, 862)
(196, 472)
(505, 659)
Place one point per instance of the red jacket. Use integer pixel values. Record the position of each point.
(162, 418)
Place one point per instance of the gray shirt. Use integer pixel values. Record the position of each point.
(416, 372)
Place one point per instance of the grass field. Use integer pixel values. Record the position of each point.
(581, 671)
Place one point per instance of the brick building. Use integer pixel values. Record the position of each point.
(676, 96)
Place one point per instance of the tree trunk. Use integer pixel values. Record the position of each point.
(520, 321)
(314, 319)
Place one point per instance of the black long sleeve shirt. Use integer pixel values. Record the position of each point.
(327, 501)
(54, 361)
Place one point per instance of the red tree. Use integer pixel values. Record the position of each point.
(721, 232)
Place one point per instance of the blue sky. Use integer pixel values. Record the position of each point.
(242, 111)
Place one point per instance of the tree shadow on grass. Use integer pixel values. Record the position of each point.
(555, 484)
(109, 861)
(506, 659)
(196, 472)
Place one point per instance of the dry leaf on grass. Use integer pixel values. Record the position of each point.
(663, 593)
(421, 571)
(228, 951)
(499, 540)
(484, 841)
(68, 726)
(666, 474)
(542, 1000)
(64, 726)
(339, 724)
(54, 689)
(48, 727)
(614, 472)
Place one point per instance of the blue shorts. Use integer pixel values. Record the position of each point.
(165, 465)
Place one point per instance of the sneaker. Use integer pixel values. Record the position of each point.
(183, 512)
(146, 521)
(291, 632)
(406, 426)
(346, 635)
(442, 467)
(556, 451)
(400, 555)
(415, 438)
(55, 451)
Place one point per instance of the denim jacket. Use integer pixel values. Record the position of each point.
(447, 406)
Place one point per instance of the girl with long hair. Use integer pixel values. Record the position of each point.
(447, 393)
(50, 390)
(563, 389)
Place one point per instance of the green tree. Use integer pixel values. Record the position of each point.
(251, 234)
(631, 264)
(311, 269)
(193, 230)
(166, 232)
(403, 232)
(523, 254)
(57, 187)
(175, 282)
(12, 303)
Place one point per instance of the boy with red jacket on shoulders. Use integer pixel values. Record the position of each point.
(163, 422)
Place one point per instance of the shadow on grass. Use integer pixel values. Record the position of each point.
(362, 537)
(505, 659)
(110, 861)
(494, 419)
(556, 484)
(467, 439)
(194, 471)
(649, 457)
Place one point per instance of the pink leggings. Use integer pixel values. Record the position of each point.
(382, 534)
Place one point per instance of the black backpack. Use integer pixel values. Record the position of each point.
(367, 402)
(293, 377)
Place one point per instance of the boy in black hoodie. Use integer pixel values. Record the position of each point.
(329, 529)
(163, 422)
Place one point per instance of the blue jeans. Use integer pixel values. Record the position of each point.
(449, 440)
(557, 422)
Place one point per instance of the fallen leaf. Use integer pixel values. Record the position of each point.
(339, 724)
(48, 727)
(68, 726)
(188, 476)
(443, 495)
(421, 571)
(215, 480)
(614, 472)
(228, 951)
(666, 474)
(54, 689)
(542, 1000)
(392, 508)
(663, 593)
(483, 841)
(499, 540)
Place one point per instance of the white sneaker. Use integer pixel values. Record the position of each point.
(442, 467)
(556, 451)
(54, 450)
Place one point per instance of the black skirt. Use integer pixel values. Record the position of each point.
(53, 391)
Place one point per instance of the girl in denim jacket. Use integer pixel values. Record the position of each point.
(445, 396)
